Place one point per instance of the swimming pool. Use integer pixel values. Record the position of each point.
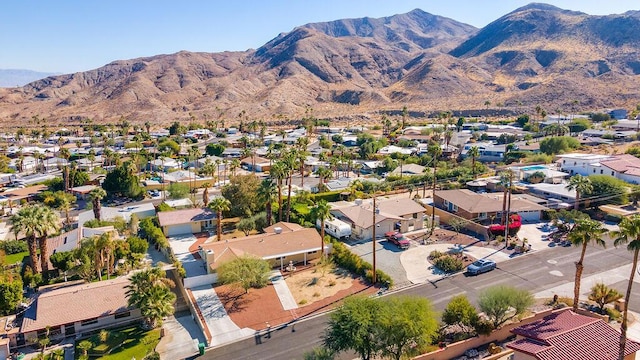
(533, 167)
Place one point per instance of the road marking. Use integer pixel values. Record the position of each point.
(556, 273)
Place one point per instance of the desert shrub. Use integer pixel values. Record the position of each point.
(613, 314)
(449, 264)
(13, 246)
(435, 254)
(345, 259)
(483, 327)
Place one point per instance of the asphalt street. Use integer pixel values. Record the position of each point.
(535, 272)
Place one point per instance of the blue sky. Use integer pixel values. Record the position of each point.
(77, 35)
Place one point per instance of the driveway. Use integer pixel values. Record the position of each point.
(387, 259)
(180, 246)
(181, 339)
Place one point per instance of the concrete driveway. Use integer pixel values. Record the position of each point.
(180, 246)
(387, 259)
(181, 339)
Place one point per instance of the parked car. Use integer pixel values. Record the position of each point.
(480, 266)
(398, 239)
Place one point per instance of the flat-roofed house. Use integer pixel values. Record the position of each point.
(74, 309)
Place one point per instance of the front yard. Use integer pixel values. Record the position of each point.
(124, 344)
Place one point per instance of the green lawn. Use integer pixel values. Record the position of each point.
(124, 344)
(16, 258)
(302, 209)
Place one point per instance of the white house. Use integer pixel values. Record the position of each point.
(187, 221)
(624, 166)
(164, 164)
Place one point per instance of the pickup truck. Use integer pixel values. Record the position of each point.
(398, 239)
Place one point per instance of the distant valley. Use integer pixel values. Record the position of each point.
(20, 77)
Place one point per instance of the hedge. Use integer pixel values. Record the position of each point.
(344, 258)
(329, 196)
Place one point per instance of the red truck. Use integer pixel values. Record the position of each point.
(398, 239)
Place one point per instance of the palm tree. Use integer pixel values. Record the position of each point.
(49, 224)
(279, 173)
(629, 234)
(324, 173)
(474, 153)
(150, 291)
(27, 221)
(290, 163)
(506, 181)
(585, 232)
(321, 212)
(267, 194)
(582, 185)
(302, 153)
(219, 205)
(96, 195)
(205, 194)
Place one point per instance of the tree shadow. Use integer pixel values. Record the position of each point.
(233, 300)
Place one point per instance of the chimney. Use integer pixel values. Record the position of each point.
(277, 230)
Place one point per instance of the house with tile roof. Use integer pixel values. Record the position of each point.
(186, 221)
(74, 309)
(280, 244)
(568, 335)
(478, 207)
(259, 163)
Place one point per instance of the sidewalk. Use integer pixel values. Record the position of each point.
(283, 291)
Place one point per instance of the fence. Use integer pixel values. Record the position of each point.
(200, 280)
(458, 349)
(195, 312)
(448, 218)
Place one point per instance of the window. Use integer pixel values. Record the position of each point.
(612, 173)
(445, 202)
(454, 208)
(600, 171)
(122, 315)
(415, 215)
(482, 215)
(89, 322)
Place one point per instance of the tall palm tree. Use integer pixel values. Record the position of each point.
(585, 232)
(506, 181)
(205, 194)
(279, 173)
(49, 224)
(321, 212)
(474, 153)
(629, 235)
(267, 194)
(324, 174)
(27, 221)
(96, 195)
(582, 185)
(302, 154)
(219, 205)
(290, 163)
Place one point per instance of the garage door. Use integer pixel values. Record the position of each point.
(179, 230)
(530, 216)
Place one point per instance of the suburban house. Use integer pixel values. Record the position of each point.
(281, 244)
(257, 163)
(549, 175)
(164, 164)
(488, 151)
(142, 211)
(86, 164)
(473, 206)
(74, 309)
(553, 192)
(82, 192)
(567, 335)
(409, 169)
(623, 166)
(395, 214)
(187, 221)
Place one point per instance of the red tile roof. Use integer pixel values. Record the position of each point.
(567, 335)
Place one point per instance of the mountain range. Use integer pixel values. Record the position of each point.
(20, 77)
(537, 55)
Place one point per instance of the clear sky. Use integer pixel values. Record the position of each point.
(76, 35)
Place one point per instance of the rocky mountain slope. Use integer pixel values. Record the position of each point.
(535, 55)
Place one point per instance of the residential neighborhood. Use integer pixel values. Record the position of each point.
(175, 215)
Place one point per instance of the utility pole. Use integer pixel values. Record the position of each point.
(506, 224)
(373, 239)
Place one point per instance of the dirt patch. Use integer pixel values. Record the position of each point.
(312, 285)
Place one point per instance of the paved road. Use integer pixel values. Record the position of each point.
(535, 272)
